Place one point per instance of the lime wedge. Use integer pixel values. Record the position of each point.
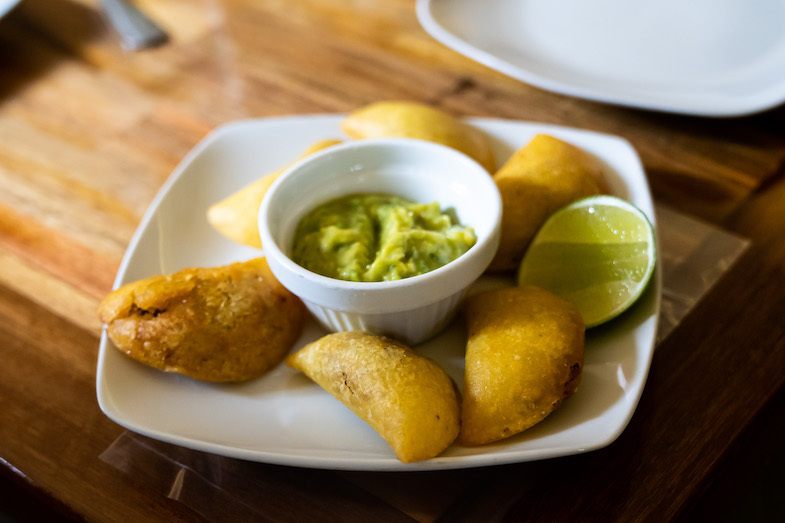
(599, 253)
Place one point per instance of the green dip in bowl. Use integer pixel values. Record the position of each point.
(378, 237)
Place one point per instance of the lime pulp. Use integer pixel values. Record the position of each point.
(599, 253)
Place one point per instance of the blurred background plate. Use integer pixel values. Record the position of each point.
(703, 57)
(7, 5)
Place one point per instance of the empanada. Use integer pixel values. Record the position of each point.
(414, 120)
(407, 398)
(523, 358)
(536, 181)
(231, 323)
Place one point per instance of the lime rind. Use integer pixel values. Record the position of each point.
(601, 259)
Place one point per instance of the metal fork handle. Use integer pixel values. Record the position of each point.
(135, 29)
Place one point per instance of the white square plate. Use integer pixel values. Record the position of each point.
(284, 418)
(701, 57)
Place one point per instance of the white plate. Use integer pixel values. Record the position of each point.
(700, 57)
(286, 419)
(6, 6)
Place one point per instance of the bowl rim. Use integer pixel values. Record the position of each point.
(271, 247)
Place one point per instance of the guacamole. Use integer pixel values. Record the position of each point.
(378, 237)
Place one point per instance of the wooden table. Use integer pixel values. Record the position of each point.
(88, 134)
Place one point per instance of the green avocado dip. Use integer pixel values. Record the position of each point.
(378, 237)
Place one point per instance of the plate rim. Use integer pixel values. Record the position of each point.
(736, 106)
(357, 463)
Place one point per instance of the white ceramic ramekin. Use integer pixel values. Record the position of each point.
(412, 309)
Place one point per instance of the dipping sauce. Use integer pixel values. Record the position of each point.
(378, 237)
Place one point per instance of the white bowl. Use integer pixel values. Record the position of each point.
(413, 309)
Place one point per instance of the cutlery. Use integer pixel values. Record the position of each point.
(136, 30)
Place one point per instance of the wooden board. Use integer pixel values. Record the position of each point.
(88, 134)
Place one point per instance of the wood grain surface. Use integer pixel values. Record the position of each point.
(89, 133)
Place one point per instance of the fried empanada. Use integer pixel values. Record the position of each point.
(523, 358)
(407, 398)
(414, 120)
(235, 216)
(231, 323)
(536, 181)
